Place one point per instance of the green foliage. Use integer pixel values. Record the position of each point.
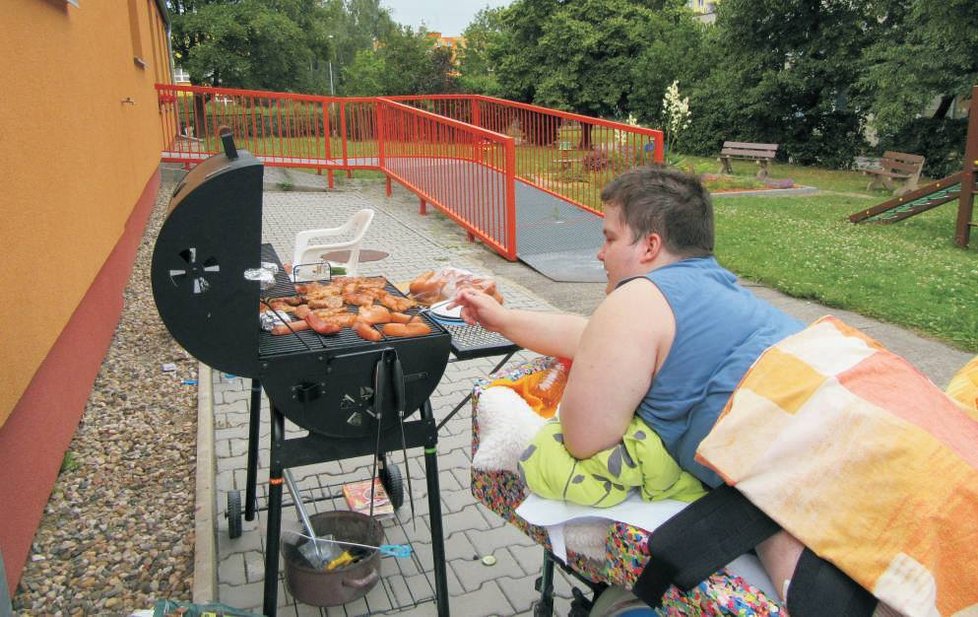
(69, 463)
(928, 51)
(580, 56)
(788, 68)
(274, 44)
(475, 64)
(245, 44)
(366, 75)
(406, 63)
(677, 50)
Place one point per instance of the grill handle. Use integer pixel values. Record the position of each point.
(400, 397)
(227, 139)
(380, 385)
(400, 401)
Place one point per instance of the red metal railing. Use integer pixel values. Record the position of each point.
(461, 153)
(281, 128)
(465, 171)
(567, 154)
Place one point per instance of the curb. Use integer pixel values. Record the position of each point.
(205, 542)
(801, 190)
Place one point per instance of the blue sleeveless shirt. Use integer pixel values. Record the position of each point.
(721, 329)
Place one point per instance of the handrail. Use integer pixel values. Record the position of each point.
(453, 176)
(566, 154)
(569, 115)
(569, 155)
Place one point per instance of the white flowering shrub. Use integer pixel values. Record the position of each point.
(677, 117)
(622, 136)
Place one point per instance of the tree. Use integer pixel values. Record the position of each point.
(675, 51)
(274, 44)
(247, 44)
(477, 69)
(353, 26)
(595, 57)
(406, 62)
(603, 58)
(927, 53)
(787, 71)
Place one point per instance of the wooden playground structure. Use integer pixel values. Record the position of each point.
(960, 185)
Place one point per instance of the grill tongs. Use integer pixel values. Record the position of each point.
(390, 371)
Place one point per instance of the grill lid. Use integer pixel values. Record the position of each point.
(211, 235)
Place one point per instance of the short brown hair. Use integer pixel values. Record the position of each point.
(668, 202)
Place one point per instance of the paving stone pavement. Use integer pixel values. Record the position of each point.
(417, 243)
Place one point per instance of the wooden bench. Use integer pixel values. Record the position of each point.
(759, 153)
(896, 166)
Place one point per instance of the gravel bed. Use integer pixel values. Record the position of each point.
(117, 533)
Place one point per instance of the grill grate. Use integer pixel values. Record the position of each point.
(306, 340)
(474, 342)
(270, 346)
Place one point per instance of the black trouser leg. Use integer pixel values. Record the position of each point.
(819, 588)
(702, 538)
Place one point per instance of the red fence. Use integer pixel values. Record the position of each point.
(461, 153)
(467, 172)
(570, 155)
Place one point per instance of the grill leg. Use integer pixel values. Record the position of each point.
(434, 507)
(274, 513)
(251, 497)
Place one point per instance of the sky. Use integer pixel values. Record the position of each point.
(450, 17)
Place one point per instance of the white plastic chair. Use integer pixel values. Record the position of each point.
(312, 244)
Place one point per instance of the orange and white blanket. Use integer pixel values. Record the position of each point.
(861, 457)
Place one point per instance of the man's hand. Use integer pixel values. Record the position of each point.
(550, 334)
(480, 308)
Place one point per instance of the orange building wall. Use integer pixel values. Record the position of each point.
(74, 157)
(80, 141)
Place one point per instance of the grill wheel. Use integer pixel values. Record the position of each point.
(234, 514)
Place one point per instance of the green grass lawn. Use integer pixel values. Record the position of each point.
(908, 273)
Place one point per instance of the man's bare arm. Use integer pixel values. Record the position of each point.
(550, 334)
(624, 343)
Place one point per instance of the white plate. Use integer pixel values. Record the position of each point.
(440, 310)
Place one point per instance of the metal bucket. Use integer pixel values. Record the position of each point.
(321, 587)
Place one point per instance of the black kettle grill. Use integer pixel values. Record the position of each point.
(355, 397)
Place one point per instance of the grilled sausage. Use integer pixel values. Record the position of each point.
(297, 326)
(366, 331)
(374, 314)
(412, 328)
(401, 317)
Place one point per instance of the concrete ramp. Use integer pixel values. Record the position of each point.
(557, 239)
(554, 237)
